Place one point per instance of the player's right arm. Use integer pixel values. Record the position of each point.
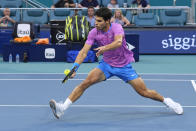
(82, 54)
(84, 51)
(88, 44)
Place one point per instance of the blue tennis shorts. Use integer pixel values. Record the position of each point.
(125, 73)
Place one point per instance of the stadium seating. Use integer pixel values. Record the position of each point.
(78, 1)
(105, 2)
(145, 19)
(15, 15)
(129, 15)
(84, 12)
(120, 2)
(54, 1)
(59, 14)
(129, 2)
(72, 12)
(1, 13)
(170, 2)
(37, 16)
(10, 3)
(174, 17)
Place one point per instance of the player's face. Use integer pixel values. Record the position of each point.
(100, 23)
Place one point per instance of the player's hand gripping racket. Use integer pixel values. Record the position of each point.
(69, 75)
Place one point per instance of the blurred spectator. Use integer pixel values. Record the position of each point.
(113, 4)
(119, 18)
(6, 19)
(76, 12)
(64, 3)
(90, 17)
(141, 3)
(87, 3)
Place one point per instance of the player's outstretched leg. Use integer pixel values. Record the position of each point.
(140, 88)
(96, 75)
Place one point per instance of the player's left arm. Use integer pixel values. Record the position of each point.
(115, 44)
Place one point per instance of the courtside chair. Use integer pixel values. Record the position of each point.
(129, 3)
(15, 15)
(78, 1)
(174, 17)
(59, 14)
(37, 16)
(121, 2)
(54, 1)
(105, 2)
(145, 19)
(124, 12)
(72, 12)
(129, 15)
(1, 13)
(84, 12)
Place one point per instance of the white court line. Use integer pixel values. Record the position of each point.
(87, 73)
(84, 79)
(194, 84)
(98, 106)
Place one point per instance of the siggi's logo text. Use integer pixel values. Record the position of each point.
(179, 43)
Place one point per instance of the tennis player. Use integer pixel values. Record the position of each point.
(116, 62)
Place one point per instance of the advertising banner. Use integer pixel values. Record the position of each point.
(166, 41)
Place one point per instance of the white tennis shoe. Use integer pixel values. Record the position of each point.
(176, 107)
(57, 108)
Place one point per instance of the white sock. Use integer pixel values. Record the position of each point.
(67, 103)
(164, 100)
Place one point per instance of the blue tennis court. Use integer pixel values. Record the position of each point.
(110, 105)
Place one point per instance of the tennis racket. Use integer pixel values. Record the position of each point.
(69, 75)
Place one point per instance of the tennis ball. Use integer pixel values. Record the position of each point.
(66, 71)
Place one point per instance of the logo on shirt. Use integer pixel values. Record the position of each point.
(130, 46)
(133, 75)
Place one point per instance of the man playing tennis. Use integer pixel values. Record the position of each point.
(116, 62)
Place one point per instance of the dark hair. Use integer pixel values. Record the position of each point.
(91, 7)
(104, 12)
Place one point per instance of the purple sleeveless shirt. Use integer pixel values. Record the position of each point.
(118, 57)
